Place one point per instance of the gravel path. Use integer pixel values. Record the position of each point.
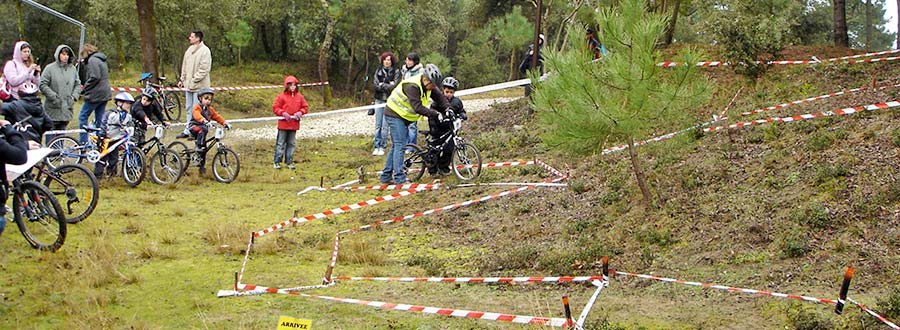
(357, 123)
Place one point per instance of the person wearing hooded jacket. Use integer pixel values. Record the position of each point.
(525, 66)
(290, 105)
(28, 109)
(95, 87)
(21, 68)
(61, 87)
(411, 68)
(387, 76)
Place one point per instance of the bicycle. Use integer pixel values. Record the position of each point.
(165, 165)
(226, 164)
(37, 214)
(170, 100)
(466, 159)
(133, 158)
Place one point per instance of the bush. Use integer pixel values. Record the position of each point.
(793, 244)
(812, 214)
(824, 173)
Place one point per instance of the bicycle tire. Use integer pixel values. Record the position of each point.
(182, 150)
(226, 165)
(166, 167)
(39, 216)
(172, 106)
(78, 186)
(70, 153)
(414, 165)
(134, 167)
(466, 162)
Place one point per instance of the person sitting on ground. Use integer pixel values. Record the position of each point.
(113, 129)
(142, 112)
(28, 108)
(407, 103)
(290, 105)
(438, 128)
(201, 115)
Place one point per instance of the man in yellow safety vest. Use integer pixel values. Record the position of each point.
(408, 102)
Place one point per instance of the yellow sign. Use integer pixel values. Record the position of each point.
(290, 323)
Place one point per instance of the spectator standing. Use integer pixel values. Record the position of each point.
(411, 68)
(195, 67)
(94, 76)
(290, 106)
(61, 88)
(386, 78)
(594, 45)
(21, 68)
(525, 66)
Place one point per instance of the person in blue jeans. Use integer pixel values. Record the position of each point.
(412, 67)
(95, 87)
(386, 78)
(408, 102)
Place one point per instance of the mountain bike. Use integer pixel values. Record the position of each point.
(466, 159)
(165, 165)
(226, 164)
(37, 214)
(170, 100)
(132, 158)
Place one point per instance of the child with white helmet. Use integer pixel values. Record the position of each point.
(27, 108)
(113, 129)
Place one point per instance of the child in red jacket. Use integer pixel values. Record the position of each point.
(290, 106)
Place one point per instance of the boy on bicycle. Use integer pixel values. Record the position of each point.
(201, 114)
(142, 111)
(112, 129)
(438, 128)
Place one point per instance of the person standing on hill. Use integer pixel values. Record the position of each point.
(61, 87)
(594, 45)
(195, 67)
(525, 66)
(412, 68)
(94, 76)
(386, 78)
(21, 68)
(290, 106)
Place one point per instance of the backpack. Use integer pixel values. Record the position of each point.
(5, 94)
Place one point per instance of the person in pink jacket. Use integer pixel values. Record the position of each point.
(290, 106)
(21, 68)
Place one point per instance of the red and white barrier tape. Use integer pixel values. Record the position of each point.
(893, 51)
(520, 319)
(260, 290)
(726, 288)
(485, 165)
(808, 116)
(549, 168)
(790, 62)
(342, 209)
(876, 315)
(816, 98)
(238, 88)
(548, 279)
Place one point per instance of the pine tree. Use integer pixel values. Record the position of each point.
(584, 104)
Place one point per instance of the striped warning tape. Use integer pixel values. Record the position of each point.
(808, 116)
(876, 315)
(661, 137)
(339, 210)
(521, 279)
(816, 98)
(726, 288)
(548, 168)
(485, 165)
(519, 319)
(429, 186)
(893, 51)
(238, 88)
(791, 62)
(253, 290)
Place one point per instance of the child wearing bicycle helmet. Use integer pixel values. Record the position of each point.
(142, 111)
(27, 108)
(201, 115)
(437, 128)
(113, 129)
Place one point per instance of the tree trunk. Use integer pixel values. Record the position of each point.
(670, 31)
(868, 27)
(512, 64)
(147, 25)
(537, 31)
(840, 24)
(120, 48)
(898, 24)
(20, 19)
(264, 36)
(284, 38)
(351, 52)
(639, 173)
(323, 54)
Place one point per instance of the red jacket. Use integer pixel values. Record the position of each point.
(290, 103)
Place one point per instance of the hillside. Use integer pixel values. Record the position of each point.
(781, 207)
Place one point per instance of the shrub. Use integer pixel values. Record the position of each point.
(812, 214)
(793, 244)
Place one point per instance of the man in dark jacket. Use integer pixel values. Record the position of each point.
(95, 80)
(28, 109)
(386, 78)
(13, 150)
(525, 66)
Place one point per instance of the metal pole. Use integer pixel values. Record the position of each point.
(60, 16)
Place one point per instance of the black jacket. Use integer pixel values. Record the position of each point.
(385, 80)
(28, 105)
(13, 150)
(139, 112)
(526, 61)
(459, 111)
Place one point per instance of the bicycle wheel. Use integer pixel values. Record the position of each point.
(133, 167)
(172, 106)
(165, 167)
(466, 162)
(70, 151)
(414, 164)
(39, 216)
(182, 150)
(226, 165)
(76, 187)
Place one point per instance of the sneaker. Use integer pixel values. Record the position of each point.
(408, 151)
(291, 166)
(446, 172)
(182, 135)
(375, 152)
(381, 151)
(277, 166)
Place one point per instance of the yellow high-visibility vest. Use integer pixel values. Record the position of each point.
(399, 102)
